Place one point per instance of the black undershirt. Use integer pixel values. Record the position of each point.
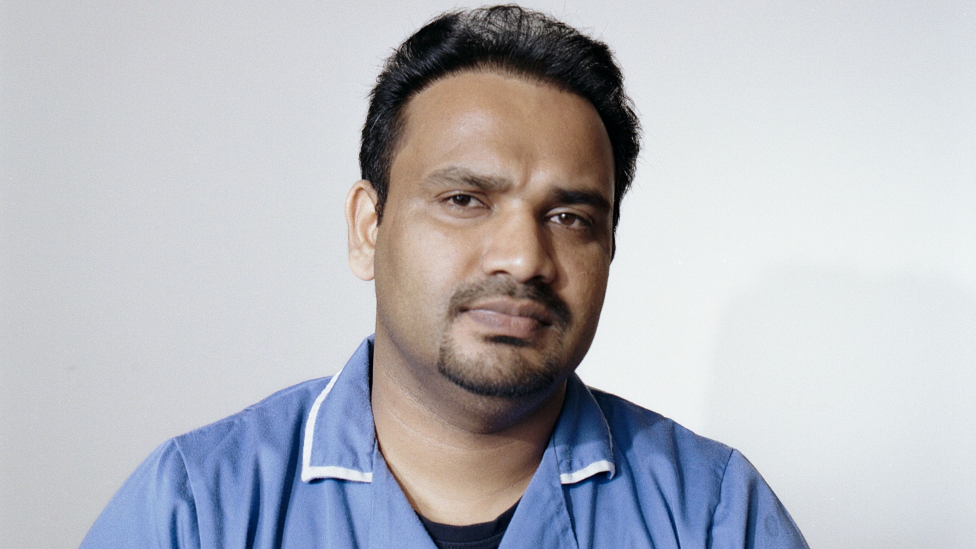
(485, 535)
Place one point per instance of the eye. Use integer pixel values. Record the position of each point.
(570, 220)
(463, 200)
(464, 205)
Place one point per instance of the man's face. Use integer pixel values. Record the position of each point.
(492, 257)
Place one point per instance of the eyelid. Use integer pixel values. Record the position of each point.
(448, 198)
(583, 219)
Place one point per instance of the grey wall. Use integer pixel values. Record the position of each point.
(796, 271)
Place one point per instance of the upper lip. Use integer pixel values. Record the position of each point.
(530, 309)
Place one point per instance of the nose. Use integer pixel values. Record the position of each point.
(518, 246)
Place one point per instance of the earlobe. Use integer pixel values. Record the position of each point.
(362, 221)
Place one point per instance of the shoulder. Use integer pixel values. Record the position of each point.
(642, 432)
(662, 458)
(269, 427)
(177, 488)
(715, 487)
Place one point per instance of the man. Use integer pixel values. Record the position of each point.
(496, 151)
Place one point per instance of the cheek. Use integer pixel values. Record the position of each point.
(422, 264)
(594, 302)
(588, 286)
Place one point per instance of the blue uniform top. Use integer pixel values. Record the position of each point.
(301, 469)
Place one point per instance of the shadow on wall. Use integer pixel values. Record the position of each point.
(856, 398)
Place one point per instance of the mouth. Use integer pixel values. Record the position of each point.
(510, 319)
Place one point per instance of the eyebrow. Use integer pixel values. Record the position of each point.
(585, 198)
(451, 176)
(454, 175)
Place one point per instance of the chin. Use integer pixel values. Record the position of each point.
(507, 369)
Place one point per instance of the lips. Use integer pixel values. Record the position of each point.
(519, 319)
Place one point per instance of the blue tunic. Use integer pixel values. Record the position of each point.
(302, 470)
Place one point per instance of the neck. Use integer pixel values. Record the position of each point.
(459, 458)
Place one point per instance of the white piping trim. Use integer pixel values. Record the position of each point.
(331, 471)
(602, 466)
(309, 472)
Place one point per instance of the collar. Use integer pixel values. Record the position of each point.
(340, 439)
(339, 435)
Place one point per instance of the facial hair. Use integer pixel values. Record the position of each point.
(501, 370)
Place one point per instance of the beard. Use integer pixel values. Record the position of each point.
(503, 370)
(505, 373)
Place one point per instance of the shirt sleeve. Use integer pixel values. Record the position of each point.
(154, 509)
(748, 514)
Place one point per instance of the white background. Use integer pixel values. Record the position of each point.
(795, 275)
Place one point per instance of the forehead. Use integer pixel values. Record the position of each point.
(484, 119)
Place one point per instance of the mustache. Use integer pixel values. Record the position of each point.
(540, 292)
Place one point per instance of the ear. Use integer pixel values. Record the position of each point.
(362, 221)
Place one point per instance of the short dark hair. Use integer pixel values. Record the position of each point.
(508, 39)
